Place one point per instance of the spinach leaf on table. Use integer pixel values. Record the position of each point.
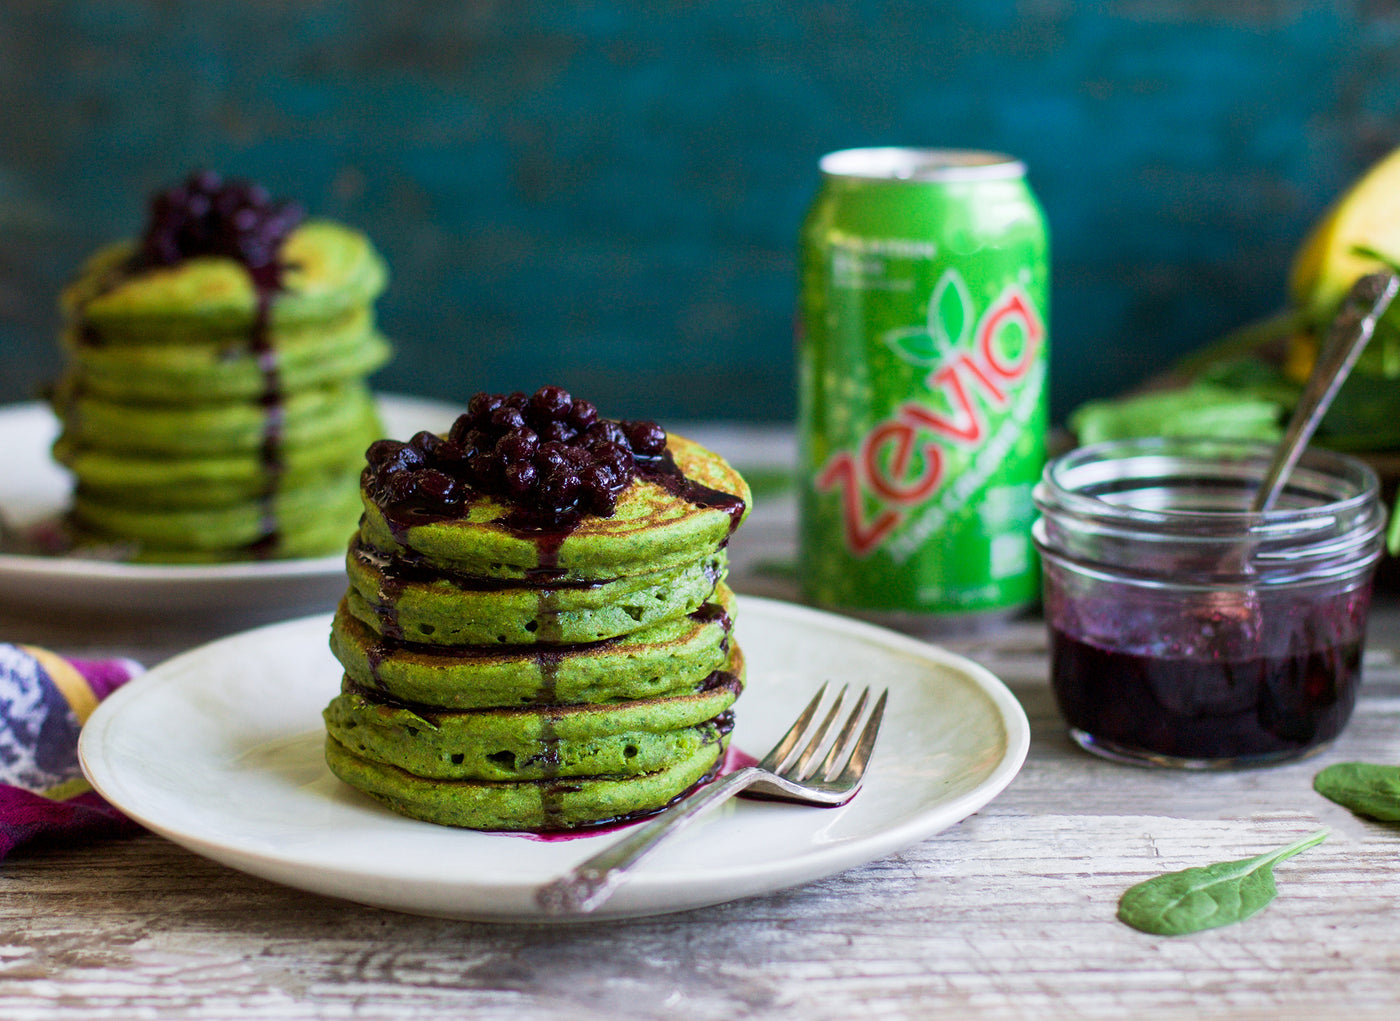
(1202, 898)
(1363, 787)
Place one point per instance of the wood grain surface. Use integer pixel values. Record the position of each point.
(1009, 914)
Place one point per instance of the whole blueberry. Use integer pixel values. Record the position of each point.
(435, 487)
(554, 429)
(582, 414)
(551, 456)
(507, 418)
(646, 438)
(481, 406)
(518, 445)
(425, 442)
(382, 451)
(550, 403)
(520, 478)
(604, 431)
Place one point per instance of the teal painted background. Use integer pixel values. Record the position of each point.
(607, 195)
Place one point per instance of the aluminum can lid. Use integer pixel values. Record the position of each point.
(896, 163)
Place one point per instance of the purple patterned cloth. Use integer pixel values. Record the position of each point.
(44, 700)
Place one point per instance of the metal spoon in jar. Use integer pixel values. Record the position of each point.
(1236, 612)
(1348, 335)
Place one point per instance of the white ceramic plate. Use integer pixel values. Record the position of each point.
(219, 749)
(35, 487)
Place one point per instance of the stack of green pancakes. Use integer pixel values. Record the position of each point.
(214, 404)
(517, 659)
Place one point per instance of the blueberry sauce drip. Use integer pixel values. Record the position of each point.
(271, 399)
(375, 654)
(666, 473)
(548, 658)
(727, 762)
(713, 613)
(719, 727)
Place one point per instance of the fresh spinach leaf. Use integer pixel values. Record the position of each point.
(1363, 787)
(1202, 898)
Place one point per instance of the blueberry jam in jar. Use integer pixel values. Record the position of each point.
(1187, 631)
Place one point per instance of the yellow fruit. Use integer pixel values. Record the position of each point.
(1368, 215)
(1300, 357)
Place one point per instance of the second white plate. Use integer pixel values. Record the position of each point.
(36, 487)
(220, 750)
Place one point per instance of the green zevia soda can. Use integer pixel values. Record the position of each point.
(922, 386)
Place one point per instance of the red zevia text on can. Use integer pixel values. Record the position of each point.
(922, 384)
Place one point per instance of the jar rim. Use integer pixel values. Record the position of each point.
(1115, 465)
(1177, 509)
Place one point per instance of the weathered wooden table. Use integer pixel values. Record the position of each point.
(1009, 914)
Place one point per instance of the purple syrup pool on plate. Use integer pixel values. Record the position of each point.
(1263, 706)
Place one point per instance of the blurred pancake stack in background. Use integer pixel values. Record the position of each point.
(214, 404)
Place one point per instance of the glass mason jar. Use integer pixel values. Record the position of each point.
(1187, 631)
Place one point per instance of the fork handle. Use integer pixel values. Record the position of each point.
(593, 881)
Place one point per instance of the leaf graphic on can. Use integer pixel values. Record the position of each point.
(950, 315)
(950, 311)
(915, 346)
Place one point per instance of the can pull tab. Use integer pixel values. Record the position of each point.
(1347, 337)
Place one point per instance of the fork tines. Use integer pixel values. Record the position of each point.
(846, 754)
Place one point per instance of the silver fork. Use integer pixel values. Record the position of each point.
(790, 772)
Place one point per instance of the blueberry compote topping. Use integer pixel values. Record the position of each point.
(206, 215)
(549, 456)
